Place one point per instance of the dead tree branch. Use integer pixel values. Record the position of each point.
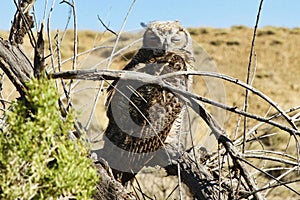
(249, 73)
(99, 92)
(191, 98)
(108, 187)
(15, 64)
(39, 54)
(198, 179)
(106, 27)
(22, 22)
(149, 79)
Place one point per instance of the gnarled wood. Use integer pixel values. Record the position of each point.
(108, 187)
(22, 23)
(199, 180)
(15, 64)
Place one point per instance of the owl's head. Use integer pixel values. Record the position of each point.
(169, 36)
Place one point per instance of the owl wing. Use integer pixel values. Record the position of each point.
(138, 98)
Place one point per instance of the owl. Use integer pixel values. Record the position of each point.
(145, 119)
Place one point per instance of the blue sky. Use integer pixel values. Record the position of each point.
(191, 13)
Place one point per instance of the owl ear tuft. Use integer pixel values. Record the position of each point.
(143, 24)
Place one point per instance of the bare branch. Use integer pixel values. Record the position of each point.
(50, 39)
(39, 54)
(211, 122)
(22, 22)
(275, 159)
(271, 186)
(99, 92)
(268, 175)
(106, 27)
(149, 79)
(248, 74)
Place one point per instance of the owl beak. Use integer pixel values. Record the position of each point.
(165, 45)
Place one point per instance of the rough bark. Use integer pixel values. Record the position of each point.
(15, 64)
(108, 187)
(22, 22)
(198, 179)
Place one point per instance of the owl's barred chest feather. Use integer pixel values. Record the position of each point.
(141, 116)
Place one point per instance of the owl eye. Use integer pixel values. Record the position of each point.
(153, 37)
(176, 38)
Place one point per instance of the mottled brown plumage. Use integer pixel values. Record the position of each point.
(144, 119)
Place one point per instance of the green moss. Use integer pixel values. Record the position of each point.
(37, 159)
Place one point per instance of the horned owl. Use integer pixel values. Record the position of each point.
(144, 119)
